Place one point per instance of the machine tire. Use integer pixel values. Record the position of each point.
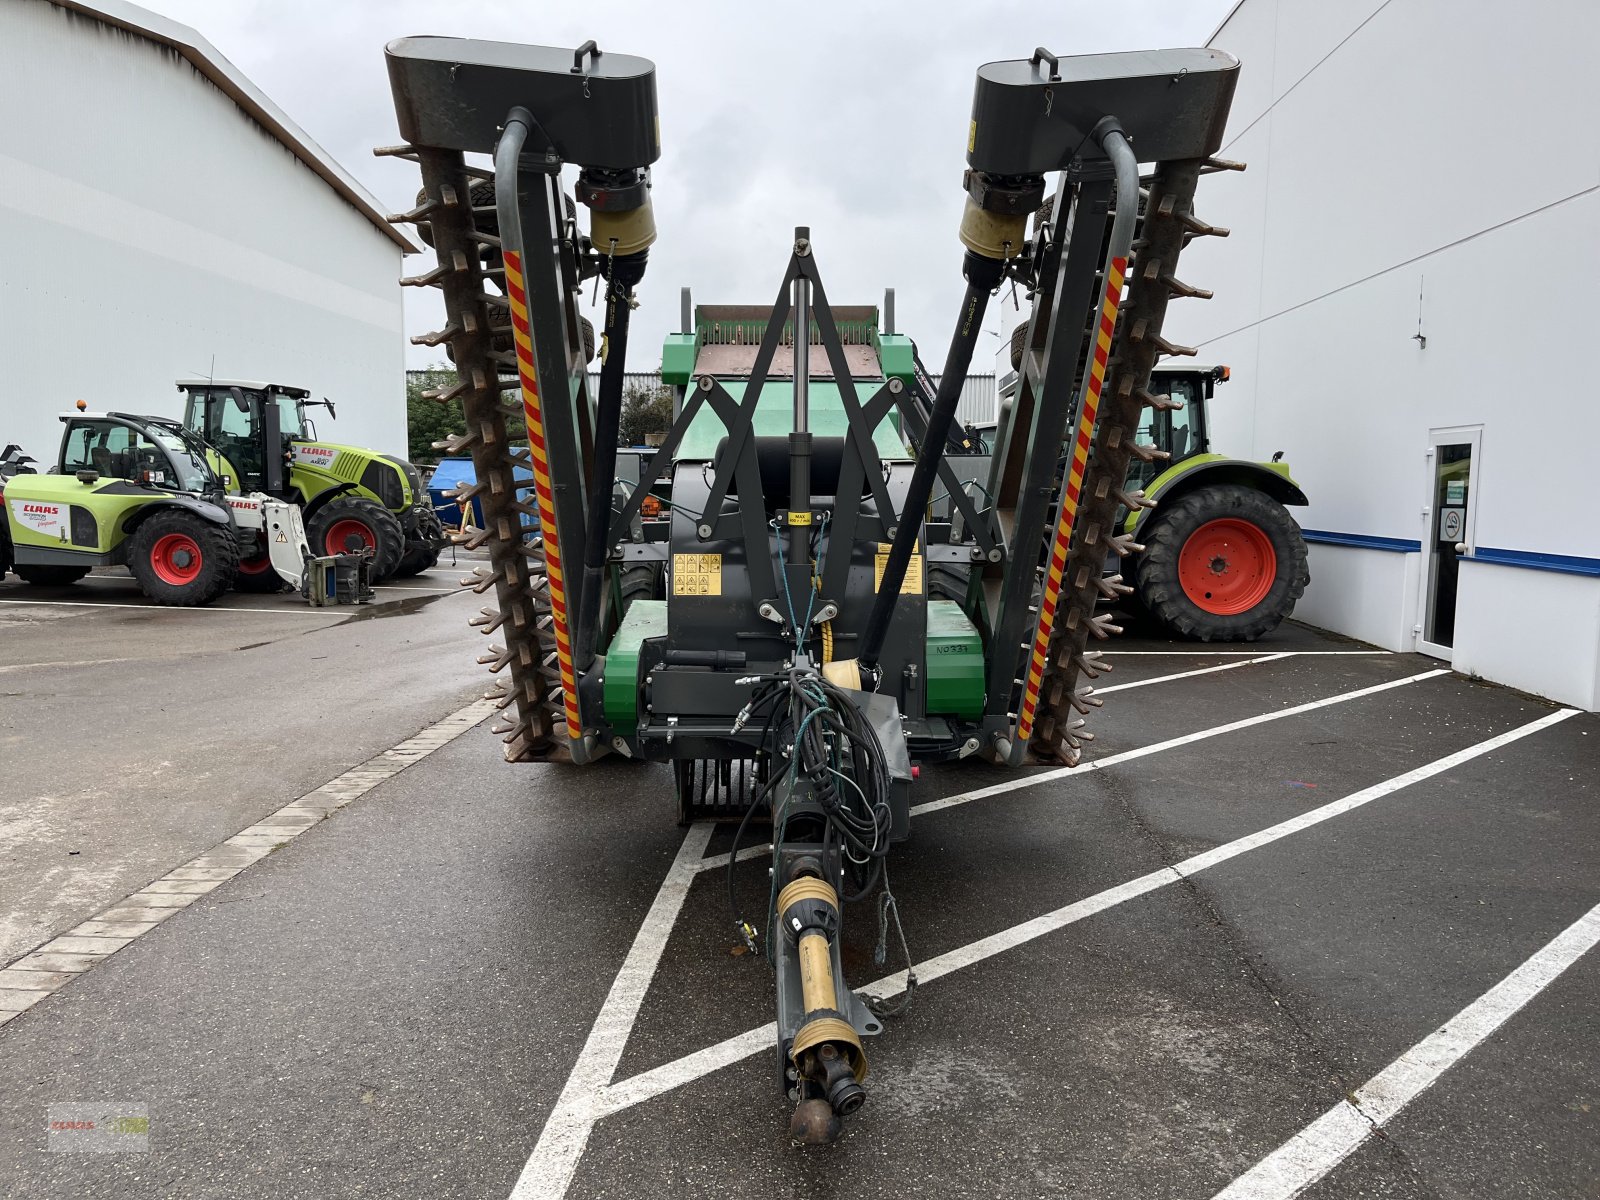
(641, 582)
(1222, 563)
(352, 516)
(257, 576)
(416, 560)
(422, 551)
(183, 559)
(1019, 339)
(51, 576)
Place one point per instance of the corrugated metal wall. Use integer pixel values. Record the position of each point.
(151, 228)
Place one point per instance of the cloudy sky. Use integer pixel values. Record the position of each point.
(849, 118)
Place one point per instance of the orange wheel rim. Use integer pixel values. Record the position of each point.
(1227, 566)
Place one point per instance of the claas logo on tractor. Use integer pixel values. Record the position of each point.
(813, 621)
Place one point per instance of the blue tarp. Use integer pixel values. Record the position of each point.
(447, 476)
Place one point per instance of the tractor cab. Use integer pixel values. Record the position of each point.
(148, 451)
(1182, 431)
(242, 420)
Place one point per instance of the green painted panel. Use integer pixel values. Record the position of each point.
(38, 508)
(955, 662)
(677, 358)
(620, 691)
(775, 418)
(897, 355)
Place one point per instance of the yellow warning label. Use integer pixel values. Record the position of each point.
(911, 585)
(972, 137)
(697, 574)
(799, 518)
(282, 537)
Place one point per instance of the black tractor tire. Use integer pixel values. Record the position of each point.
(383, 533)
(256, 576)
(51, 576)
(183, 559)
(641, 582)
(1019, 339)
(422, 551)
(949, 581)
(1232, 554)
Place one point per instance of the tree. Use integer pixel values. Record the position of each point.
(428, 421)
(645, 410)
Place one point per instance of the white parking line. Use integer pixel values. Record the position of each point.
(1100, 764)
(648, 1084)
(1228, 653)
(48, 967)
(590, 1095)
(1321, 1146)
(1139, 683)
(549, 1169)
(274, 612)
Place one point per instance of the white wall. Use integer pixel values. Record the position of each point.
(149, 224)
(1418, 146)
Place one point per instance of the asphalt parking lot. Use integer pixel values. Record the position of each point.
(1216, 958)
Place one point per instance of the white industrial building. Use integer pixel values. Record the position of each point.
(1406, 302)
(162, 218)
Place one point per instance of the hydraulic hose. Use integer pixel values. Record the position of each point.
(621, 274)
(983, 275)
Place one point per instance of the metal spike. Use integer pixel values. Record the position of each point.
(1133, 501)
(1146, 452)
(1194, 227)
(436, 337)
(1143, 333)
(412, 216)
(1212, 165)
(1179, 288)
(1112, 587)
(1123, 545)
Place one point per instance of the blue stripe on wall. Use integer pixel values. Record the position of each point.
(1364, 541)
(1565, 564)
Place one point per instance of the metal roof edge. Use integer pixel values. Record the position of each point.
(233, 83)
(1223, 23)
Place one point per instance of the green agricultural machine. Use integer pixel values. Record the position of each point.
(792, 631)
(139, 491)
(1218, 558)
(351, 500)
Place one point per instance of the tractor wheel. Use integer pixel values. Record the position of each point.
(642, 582)
(1019, 339)
(256, 575)
(422, 551)
(350, 525)
(50, 576)
(1223, 563)
(181, 559)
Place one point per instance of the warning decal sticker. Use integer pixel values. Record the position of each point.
(697, 574)
(911, 585)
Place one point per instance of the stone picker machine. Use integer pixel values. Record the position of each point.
(776, 641)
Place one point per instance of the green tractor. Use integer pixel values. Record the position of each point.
(1222, 559)
(128, 491)
(1217, 557)
(351, 499)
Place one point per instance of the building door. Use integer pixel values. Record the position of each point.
(1452, 454)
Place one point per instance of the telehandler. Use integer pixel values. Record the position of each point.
(140, 492)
